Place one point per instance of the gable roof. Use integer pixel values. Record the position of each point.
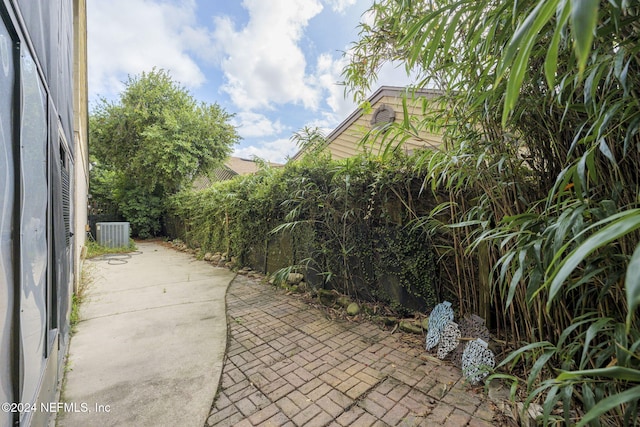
(233, 166)
(381, 93)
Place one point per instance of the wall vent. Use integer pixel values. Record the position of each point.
(383, 116)
(113, 234)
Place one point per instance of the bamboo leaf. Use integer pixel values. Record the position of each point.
(539, 364)
(589, 400)
(576, 324)
(521, 33)
(550, 403)
(584, 19)
(592, 332)
(515, 280)
(632, 285)
(581, 173)
(541, 344)
(452, 29)
(617, 372)
(604, 148)
(609, 403)
(523, 41)
(592, 172)
(505, 260)
(620, 227)
(551, 60)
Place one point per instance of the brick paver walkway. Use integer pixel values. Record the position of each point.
(288, 365)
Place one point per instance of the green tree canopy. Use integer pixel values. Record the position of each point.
(155, 139)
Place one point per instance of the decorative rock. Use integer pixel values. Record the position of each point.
(425, 323)
(326, 297)
(216, 258)
(389, 321)
(344, 301)
(410, 327)
(207, 256)
(353, 309)
(440, 316)
(294, 278)
(477, 361)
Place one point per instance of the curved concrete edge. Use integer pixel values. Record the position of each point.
(225, 356)
(151, 346)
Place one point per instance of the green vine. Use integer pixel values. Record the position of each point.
(342, 220)
(408, 256)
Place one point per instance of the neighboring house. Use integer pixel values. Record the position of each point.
(43, 196)
(386, 106)
(233, 166)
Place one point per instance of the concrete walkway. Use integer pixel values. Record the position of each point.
(288, 365)
(149, 349)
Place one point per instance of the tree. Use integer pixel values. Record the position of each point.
(154, 141)
(543, 123)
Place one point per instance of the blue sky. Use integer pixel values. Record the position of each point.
(275, 64)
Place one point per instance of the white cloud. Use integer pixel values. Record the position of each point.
(329, 72)
(395, 74)
(326, 124)
(263, 62)
(340, 5)
(274, 151)
(254, 125)
(127, 37)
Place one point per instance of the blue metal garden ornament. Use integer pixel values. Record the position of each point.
(440, 316)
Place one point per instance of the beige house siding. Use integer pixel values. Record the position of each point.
(345, 140)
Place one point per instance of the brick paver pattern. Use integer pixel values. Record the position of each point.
(287, 364)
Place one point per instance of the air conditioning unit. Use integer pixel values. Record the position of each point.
(113, 234)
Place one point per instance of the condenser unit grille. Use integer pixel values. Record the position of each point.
(113, 234)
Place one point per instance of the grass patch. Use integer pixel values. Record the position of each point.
(74, 318)
(78, 297)
(95, 250)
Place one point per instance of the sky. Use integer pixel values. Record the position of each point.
(274, 64)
